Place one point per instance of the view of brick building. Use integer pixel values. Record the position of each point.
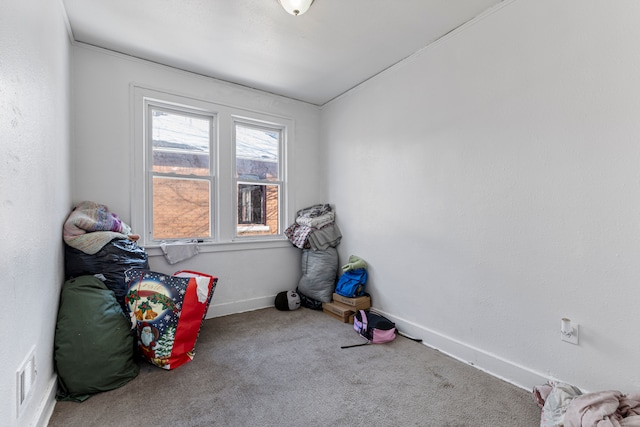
(181, 185)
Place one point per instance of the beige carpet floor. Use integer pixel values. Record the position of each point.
(274, 368)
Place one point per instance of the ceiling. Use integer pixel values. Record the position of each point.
(314, 57)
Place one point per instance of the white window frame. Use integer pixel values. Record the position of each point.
(224, 189)
(150, 104)
(280, 182)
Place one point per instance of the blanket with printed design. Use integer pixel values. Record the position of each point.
(91, 225)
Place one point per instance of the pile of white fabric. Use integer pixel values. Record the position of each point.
(564, 405)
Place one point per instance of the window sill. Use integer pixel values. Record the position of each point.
(237, 245)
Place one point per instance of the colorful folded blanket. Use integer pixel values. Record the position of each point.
(91, 225)
(298, 235)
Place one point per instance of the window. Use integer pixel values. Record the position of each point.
(257, 153)
(181, 184)
(206, 171)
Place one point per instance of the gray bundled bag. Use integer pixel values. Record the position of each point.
(319, 272)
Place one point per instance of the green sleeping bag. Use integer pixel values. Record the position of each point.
(94, 344)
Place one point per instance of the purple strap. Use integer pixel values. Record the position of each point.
(365, 325)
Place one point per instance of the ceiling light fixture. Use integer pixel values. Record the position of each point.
(296, 7)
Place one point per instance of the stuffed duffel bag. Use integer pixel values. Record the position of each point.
(94, 343)
(169, 312)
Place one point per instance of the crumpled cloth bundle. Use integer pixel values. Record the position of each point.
(91, 225)
(354, 263)
(564, 405)
(179, 251)
(314, 228)
(604, 409)
(554, 398)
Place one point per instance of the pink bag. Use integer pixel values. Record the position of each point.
(374, 328)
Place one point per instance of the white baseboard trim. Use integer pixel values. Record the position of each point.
(47, 404)
(219, 310)
(492, 364)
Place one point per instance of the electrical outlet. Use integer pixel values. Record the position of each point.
(573, 337)
(25, 379)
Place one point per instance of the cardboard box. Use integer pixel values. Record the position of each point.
(340, 318)
(338, 308)
(340, 311)
(358, 303)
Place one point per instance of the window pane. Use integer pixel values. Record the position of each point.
(257, 153)
(181, 208)
(180, 143)
(257, 209)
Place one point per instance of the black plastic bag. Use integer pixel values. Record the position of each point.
(111, 261)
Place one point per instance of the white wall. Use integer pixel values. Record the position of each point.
(34, 187)
(101, 164)
(492, 182)
(496, 187)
